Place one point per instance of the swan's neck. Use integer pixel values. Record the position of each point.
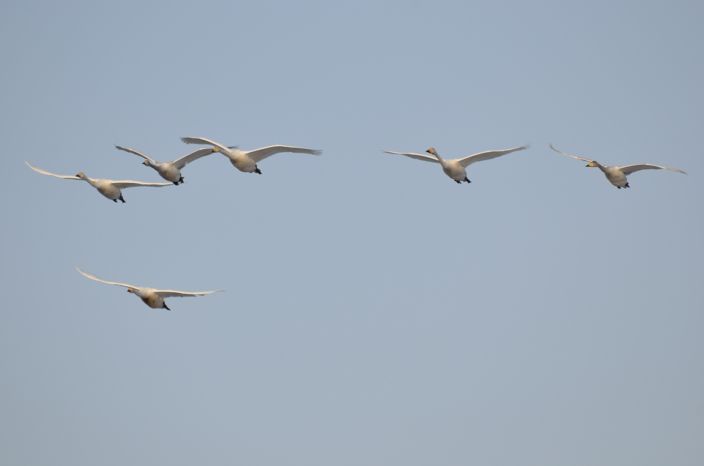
(440, 159)
(90, 181)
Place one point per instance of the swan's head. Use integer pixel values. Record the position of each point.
(131, 290)
(145, 163)
(432, 151)
(592, 164)
(81, 175)
(216, 149)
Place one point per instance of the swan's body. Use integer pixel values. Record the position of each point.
(456, 168)
(112, 189)
(617, 175)
(170, 171)
(246, 161)
(152, 297)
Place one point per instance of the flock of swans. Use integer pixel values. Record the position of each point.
(456, 168)
(247, 161)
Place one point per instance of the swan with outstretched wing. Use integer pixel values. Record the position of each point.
(112, 189)
(170, 171)
(247, 161)
(617, 175)
(152, 297)
(456, 168)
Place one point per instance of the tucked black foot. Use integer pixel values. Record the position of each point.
(115, 201)
(626, 185)
(257, 171)
(180, 180)
(122, 199)
(467, 179)
(166, 307)
(458, 182)
(175, 183)
(619, 187)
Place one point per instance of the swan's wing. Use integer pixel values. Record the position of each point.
(186, 159)
(263, 152)
(135, 152)
(198, 140)
(120, 184)
(44, 172)
(93, 277)
(488, 155)
(628, 169)
(414, 155)
(577, 157)
(183, 294)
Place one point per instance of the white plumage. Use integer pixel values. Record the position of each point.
(617, 174)
(246, 161)
(112, 189)
(152, 297)
(456, 168)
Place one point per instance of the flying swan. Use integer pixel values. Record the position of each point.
(246, 161)
(617, 174)
(170, 171)
(150, 296)
(455, 168)
(112, 189)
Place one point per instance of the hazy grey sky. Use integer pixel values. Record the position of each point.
(376, 312)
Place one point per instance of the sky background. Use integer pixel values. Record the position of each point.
(375, 313)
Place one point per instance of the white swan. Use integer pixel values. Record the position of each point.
(455, 168)
(170, 171)
(150, 296)
(617, 174)
(246, 161)
(112, 189)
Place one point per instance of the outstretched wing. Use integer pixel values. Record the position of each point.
(263, 152)
(577, 157)
(183, 294)
(44, 172)
(488, 155)
(628, 169)
(135, 152)
(121, 184)
(199, 140)
(414, 155)
(107, 282)
(186, 159)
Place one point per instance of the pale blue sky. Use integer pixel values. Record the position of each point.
(376, 312)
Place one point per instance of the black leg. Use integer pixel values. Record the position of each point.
(122, 199)
(467, 179)
(180, 180)
(115, 201)
(166, 307)
(458, 182)
(626, 185)
(175, 183)
(257, 170)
